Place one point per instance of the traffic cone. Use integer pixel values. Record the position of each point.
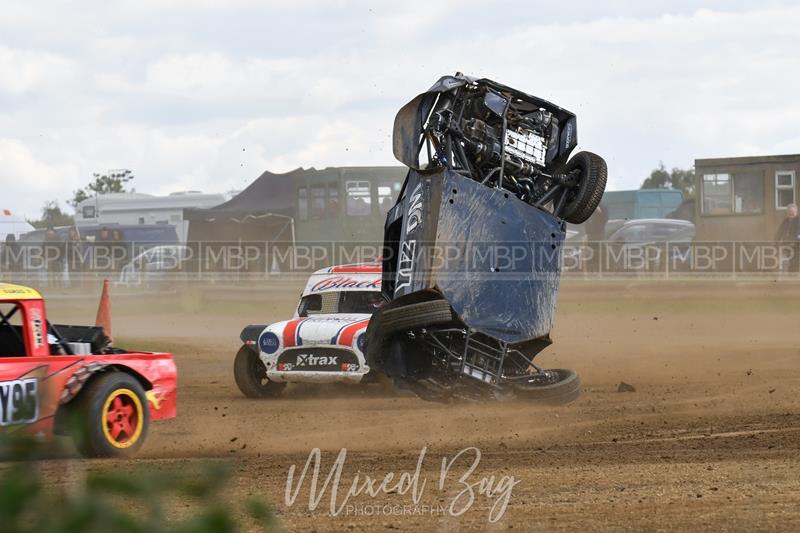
(104, 311)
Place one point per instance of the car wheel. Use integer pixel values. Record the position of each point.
(110, 416)
(251, 375)
(591, 185)
(556, 386)
(416, 315)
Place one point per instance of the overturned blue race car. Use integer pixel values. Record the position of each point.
(472, 248)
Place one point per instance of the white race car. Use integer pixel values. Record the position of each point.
(322, 343)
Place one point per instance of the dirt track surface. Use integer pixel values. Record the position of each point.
(710, 438)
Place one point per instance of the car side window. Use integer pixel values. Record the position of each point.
(12, 332)
(631, 234)
(683, 234)
(310, 304)
(359, 301)
(661, 232)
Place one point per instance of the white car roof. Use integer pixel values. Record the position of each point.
(356, 277)
(672, 221)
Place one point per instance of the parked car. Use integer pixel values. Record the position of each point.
(155, 264)
(643, 245)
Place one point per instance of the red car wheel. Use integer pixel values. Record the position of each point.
(112, 416)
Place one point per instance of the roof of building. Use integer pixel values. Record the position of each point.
(749, 160)
(277, 193)
(128, 201)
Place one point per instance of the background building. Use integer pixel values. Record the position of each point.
(641, 203)
(347, 204)
(131, 208)
(744, 198)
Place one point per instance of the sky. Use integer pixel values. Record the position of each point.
(207, 94)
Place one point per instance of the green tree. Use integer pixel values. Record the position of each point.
(111, 181)
(120, 498)
(677, 178)
(52, 215)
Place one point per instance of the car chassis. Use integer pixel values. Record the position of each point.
(488, 166)
(506, 369)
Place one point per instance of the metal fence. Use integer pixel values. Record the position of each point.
(137, 264)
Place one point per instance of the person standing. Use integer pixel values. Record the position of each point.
(596, 225)
(595, 235)
(120, 252)
(10, 256)
(74, 256)
(789, 232)
(54, 255)
(101, 251)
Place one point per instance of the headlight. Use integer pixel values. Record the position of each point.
(361, 342)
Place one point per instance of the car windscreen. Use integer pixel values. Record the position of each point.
(629, 234)
(662, 232)
(359, 301)
(311, 304)
(339, 302)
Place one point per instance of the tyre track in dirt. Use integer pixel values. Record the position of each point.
(710, 438)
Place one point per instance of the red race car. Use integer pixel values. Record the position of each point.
(68, 380)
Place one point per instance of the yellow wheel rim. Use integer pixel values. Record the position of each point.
(123, 418)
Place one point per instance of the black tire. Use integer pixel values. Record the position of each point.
(251, 375)
(93, 432)
(591, 186)
(565, 389)
(416, 315)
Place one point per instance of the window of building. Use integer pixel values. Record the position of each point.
(88, 211)
(717, 198)
(333, 200)
(385, 198)
(748, 193)
(784, 189)
(318, 201)
(359, 198)
(302, 203)
(725, 194)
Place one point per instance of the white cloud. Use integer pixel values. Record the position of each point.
(208, 95)
(28, 180)
(23, 71)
